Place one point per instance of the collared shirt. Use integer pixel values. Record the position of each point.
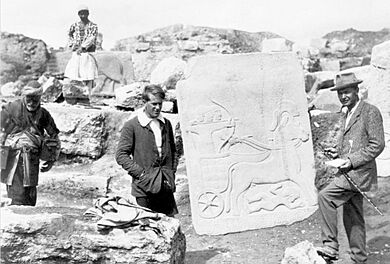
(144, 120)
(82, 35)
(350, 113)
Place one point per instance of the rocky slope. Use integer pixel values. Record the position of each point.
(21, 55)
(357, 43)
(183, 42)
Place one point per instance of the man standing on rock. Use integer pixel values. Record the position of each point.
(23, 126)
(82, 40)
(362, 141)
(146, 150)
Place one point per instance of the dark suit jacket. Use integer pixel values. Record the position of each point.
(362, 142)
(137, 153)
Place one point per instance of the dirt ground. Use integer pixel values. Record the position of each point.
(258, 246)
(268, 245)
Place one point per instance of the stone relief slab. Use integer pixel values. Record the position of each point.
(247, 142)
(379, 95)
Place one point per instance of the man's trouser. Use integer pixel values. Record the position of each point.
(329, 199)
(21, 195)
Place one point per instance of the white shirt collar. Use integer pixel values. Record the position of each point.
(354, 108)
(144, 120)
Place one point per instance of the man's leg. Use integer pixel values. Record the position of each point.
(329, 199)
(17, 192)
(355, 228)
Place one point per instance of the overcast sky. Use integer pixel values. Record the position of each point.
(296, 20)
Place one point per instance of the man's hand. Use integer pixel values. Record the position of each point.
(46, 166)
(331, 152)
(79, 50)
(346, 166)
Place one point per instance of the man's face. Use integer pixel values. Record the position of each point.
(83, 14)
(32, 102)
(153, 106)
(348, 96)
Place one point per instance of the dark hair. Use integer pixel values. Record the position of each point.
(154, 89)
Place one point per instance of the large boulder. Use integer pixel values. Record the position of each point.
(115, 69)
(64, 235)
(168, 72)
(21, 55)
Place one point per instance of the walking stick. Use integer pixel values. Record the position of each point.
(354, 184)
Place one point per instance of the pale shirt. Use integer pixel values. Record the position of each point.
(350, 113)
(144, 120)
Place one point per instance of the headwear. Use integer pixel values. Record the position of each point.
(82, 7)
(32, 88)
(344, 80)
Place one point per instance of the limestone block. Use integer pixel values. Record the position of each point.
(275, 45)
(63, 235)
(52, 89)
(326, 100)
(9, 89)
(330, 65)
(168, 72)
(143, 46)
(378, 85)
(351, 62)
(82, 131)
(319, 80)
(380, 56)
(129, 96)
(302, 253)
(247, 141)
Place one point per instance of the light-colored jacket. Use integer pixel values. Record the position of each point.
(362, 142)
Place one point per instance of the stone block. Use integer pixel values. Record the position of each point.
(64, 235)
(275, 45)
(82, 131)
(330, 65)
(302, 253)
(247, 141)
(380, 56)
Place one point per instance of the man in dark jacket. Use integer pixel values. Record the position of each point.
(146, 150)
(23, 125)
(361, 143)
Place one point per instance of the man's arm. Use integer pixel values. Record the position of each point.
(52, 130)
(125, 149)
(375, 137)
(71, 39)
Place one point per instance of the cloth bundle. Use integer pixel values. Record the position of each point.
(118, 212)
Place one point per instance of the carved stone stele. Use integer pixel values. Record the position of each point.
(247, 142)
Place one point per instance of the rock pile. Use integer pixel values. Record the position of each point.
(64, 235)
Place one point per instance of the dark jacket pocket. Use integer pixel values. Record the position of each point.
(151, 180)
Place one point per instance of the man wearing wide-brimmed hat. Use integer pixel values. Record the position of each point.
(362, 141)
(24, 124)
(82, 41)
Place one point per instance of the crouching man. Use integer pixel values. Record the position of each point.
(28, 133)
